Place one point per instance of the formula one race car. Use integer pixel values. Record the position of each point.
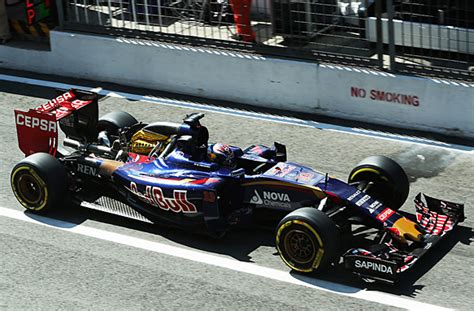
(168, 173)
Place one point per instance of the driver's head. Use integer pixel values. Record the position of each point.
(221, 154)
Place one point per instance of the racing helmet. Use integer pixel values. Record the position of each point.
(221, 154)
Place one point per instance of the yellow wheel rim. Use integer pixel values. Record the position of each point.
(300, 247)
(29, 188)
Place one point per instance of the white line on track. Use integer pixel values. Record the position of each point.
(244, 113)
(232, 264)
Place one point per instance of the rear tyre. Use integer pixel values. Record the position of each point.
(39, 182)
(307, 240)
(115, 120)
(390, 182)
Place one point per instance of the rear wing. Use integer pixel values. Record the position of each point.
(74, 111)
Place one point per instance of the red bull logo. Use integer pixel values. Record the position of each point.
(154, 196)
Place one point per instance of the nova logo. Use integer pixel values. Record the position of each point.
(154, 196)
(271, 199)
(256, 199)
(377, 267)
(374, 206)
(276, 196)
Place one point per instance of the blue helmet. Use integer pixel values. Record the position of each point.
(221, 154)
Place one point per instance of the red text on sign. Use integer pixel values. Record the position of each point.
(386, 96)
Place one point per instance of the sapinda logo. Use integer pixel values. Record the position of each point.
(33, 122)
(374, 266)
(154, 196)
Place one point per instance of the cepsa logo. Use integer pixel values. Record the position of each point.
(385, 214)
(33, 122)
(154, 196)
(55, 102)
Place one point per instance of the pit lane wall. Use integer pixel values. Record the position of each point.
(357, 94)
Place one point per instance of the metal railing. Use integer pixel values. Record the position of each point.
(429, 37)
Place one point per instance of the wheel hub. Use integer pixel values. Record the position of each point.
(29, 189)
(300, 246)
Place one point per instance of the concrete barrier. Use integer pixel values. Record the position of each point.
(411, 102)
(358, 94)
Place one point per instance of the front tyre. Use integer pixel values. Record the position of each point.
(389, 182)
(307, 240)
(39, 182)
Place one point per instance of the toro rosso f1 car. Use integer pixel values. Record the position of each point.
(167, 173)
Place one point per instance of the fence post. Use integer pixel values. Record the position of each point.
(378, 29)
(391, 34)
(60, 9)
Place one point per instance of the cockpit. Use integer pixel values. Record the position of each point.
(186, 145)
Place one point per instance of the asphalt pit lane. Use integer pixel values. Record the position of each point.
(424, 162)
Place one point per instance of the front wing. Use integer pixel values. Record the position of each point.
(385, 262)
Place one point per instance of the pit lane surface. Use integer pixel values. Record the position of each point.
(43, 267)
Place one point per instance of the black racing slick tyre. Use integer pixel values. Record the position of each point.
(39, 182)
(115, 120)
(389, 181)
(307, 240)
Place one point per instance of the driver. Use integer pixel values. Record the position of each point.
(221, 154)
